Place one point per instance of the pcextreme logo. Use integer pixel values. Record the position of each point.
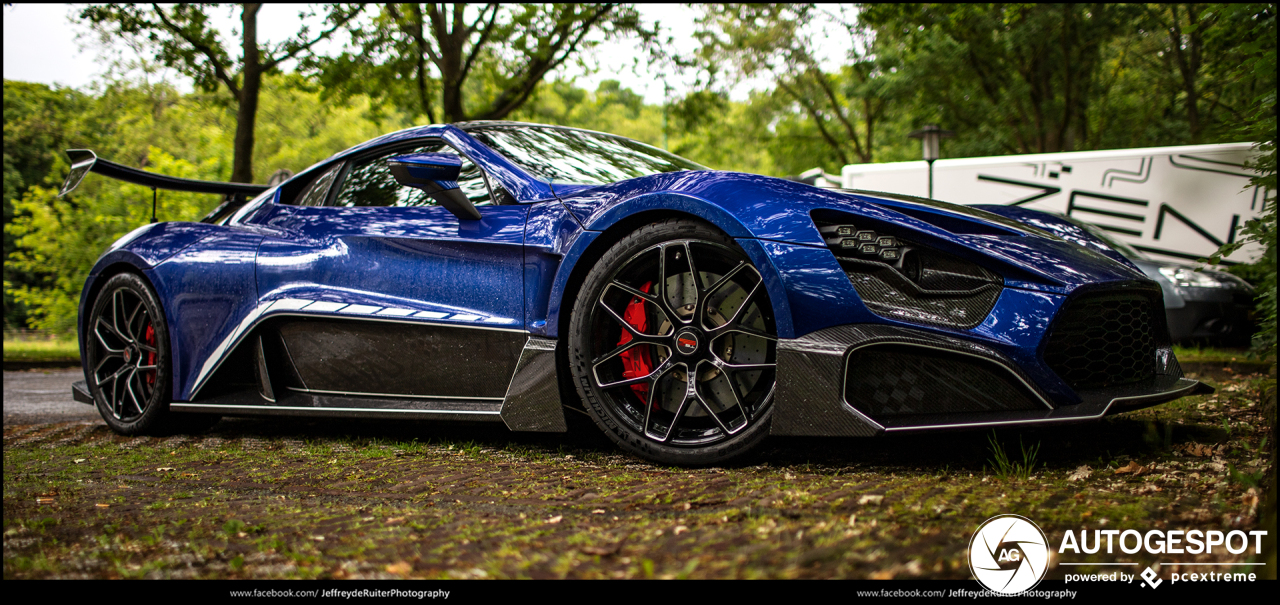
(1008, 554)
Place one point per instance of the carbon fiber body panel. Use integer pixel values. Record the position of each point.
(895, 380)
(814, 398)
(811, 369)
(533, 398)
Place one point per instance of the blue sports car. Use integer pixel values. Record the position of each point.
(514, 273)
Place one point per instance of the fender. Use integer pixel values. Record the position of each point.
(590, 244)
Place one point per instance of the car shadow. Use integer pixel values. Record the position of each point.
(1060, 447)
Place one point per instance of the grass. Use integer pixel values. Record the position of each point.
(1197, 353)
(1008, 469)
(41, 349)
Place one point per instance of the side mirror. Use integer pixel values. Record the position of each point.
(437, 175)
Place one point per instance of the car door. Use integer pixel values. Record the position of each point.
(389, 294)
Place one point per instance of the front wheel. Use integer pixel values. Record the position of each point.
(128, 367)
(672, 345)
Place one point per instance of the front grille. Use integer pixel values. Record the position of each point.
(1103, 340)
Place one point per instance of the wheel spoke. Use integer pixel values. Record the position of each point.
(614, 353)
(97, 370)
(740, 367)
(133, 330)
(653, 390)
(742, 306)
(103, 341)
(693, 272)
(648, 297)
(726, 277)
(635, 334)
(728, 328)
(737, 401)
(128, 387)
(634, 292)
(653, 374)
(690, 393)
(117, 301)
(117, 395)
(664, 295)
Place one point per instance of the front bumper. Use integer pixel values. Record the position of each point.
(959, 384)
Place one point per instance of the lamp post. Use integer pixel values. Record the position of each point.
(930, 138)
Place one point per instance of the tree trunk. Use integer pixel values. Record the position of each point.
(247, 114)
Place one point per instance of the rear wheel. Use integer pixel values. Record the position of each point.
(128, 366)
(673, 345)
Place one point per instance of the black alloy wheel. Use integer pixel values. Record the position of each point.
(128, 361)
(673, 345)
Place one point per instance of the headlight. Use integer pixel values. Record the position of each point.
(1183, 277)
(906, 281)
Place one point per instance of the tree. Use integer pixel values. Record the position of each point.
(1022, 75)
(477, 62)
(185, 40)
(776, 40)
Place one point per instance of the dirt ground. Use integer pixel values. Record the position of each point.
(262, 498)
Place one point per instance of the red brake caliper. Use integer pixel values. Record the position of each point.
(636, 361)
(150, 337)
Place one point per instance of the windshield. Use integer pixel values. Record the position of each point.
(575, 156)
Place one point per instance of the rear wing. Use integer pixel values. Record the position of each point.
(84, 161)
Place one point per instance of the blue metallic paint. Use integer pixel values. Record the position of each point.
(513, 267)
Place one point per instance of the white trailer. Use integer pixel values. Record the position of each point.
(1174, 203)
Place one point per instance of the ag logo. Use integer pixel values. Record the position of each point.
(1008, 554)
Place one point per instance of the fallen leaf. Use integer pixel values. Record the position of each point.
(555, 519)
(1133, 467)
(394, 520)
(882, 575)
(873, 499)
(102, 505)
(166, 469)
(400, 568)
(79, 460)
(44, 499)
(1081, 473)
(318, 538)
(680, 529)
(601, 551)
(598, 511)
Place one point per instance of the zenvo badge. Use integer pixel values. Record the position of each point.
(1008, 554)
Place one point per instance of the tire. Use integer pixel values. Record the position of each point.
(679, 369)
(129, 369)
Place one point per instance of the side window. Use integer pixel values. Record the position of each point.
(318, 190)
(369, 182)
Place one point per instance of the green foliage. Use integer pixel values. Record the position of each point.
(1253, 60)
(467, 62)
(51, 242)
(1007, 469)
(37, 123)
(59, 238)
